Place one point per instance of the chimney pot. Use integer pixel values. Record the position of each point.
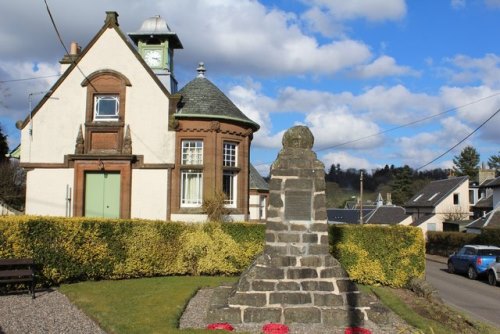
(74, 49)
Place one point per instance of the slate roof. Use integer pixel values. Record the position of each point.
(494, 183)
(436, 191)
(490, 220)
(391, 215)
(346, 216)
(200, 98)
(485, 202)
(420, 220)
(256, 180)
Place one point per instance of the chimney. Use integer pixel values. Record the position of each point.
(68, 60)
(389, 199)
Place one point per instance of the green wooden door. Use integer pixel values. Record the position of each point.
(102, 195)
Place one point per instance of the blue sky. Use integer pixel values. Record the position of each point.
(346, 69)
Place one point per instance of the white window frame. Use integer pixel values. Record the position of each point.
(101, 97)
(229, 154)
(192, 152)
(197, 198)
(230, 200)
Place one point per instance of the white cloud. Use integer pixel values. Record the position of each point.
(382, 67)
(371, 10)
(458, 4)
(493, 3)
(485, 70)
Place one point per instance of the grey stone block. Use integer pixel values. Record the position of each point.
(310, 238)
(220, 296)
(301, 273)
(333, 272)
(230, 315)
(283, 261)
(320, 215)
(288, 237)
(275, 184)
(269, 273)
(263, 285)
(248, 299)
(328, 299)
(290, 298)
(346, 285)
(275, 200)
(325, 240)
(299, 184)
(319, 184)
(317, 286)
(288, 286)
(319, 227)
(297, 205)
(319, 249)
(260, 315)
(270, 237)
(302, 315)
(274, 250)
(311, 261)
(330, 261)
(298, 249)
(276, 226)
(297, 227)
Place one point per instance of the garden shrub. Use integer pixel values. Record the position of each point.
(72, 249)
(445, 243)
(385, 255)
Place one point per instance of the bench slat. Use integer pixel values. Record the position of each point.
(16, 273)
(17, 262)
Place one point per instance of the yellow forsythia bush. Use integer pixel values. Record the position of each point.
(71, 249)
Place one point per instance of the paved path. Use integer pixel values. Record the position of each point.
(475, 297)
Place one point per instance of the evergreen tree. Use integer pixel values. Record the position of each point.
(494, 162)
(4, 147)
(402, 188)
(467, 163)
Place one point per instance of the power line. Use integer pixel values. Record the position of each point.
(25, 79)
(410, 123)
(461, 141)
(64, 46)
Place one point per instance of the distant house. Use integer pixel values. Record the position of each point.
(439, 202)
(490, 205)
(259, 196)
(345, 216)
(489, 220)
(388, 215)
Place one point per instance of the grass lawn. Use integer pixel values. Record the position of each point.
(149, 305)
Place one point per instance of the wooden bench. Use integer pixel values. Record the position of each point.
(18, 271)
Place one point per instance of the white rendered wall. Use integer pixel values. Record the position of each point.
(149, 194)
(56, 124)
(46, 191)
(447, 208)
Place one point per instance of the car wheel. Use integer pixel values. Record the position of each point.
(491, 278)
(451, 269)
(471, 273)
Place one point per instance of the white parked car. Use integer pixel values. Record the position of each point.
(493, 272)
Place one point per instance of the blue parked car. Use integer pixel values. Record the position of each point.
(472, 260)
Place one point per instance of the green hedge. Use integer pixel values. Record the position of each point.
(71, 249)
(445, 243)
(385, 255)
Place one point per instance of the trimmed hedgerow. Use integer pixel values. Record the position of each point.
(385, 255)
(445, 243)
(72, 249)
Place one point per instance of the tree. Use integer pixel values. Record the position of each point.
(467, 163)
(4, 147)
(494, 162)
(402, 188)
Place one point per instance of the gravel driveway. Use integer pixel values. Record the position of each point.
(51, 312)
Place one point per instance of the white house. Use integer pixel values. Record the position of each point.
(114, 137)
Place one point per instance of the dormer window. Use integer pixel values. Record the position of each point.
(106, 107)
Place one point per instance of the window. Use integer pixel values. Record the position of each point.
(106, 107)
(456, 198)
(229, 187)
(431, 226)
(229, 154)
(191, 188)
(262, 207)
(192, 152)
(432, 197)
(418, 197)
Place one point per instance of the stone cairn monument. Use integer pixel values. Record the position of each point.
(295, 280)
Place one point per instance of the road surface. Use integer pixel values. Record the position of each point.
(476, 298)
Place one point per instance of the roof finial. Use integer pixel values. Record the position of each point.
(201, 70)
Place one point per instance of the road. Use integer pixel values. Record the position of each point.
(477, 298)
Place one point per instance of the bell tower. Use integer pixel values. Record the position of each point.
(156, 44)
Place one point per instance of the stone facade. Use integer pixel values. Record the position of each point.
(295, 280)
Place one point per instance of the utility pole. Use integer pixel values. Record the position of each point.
(361, 198)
